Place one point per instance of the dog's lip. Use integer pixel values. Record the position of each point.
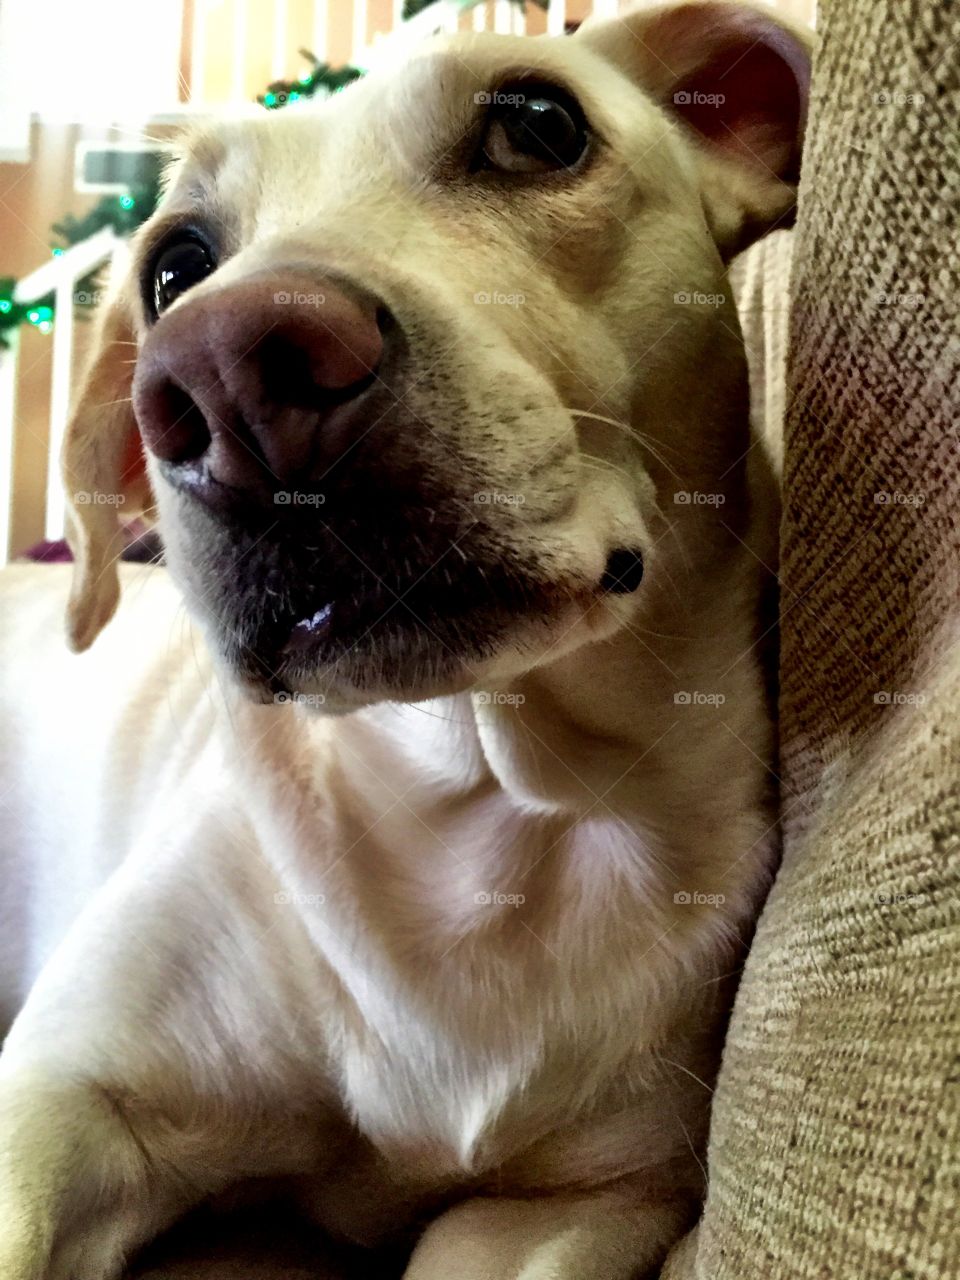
(309, 631)
(353, 629)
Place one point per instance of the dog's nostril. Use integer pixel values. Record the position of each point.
(623, 573)
(286, 374)
(177, 430)
(386, 320)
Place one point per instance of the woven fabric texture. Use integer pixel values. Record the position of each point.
(835, 1148)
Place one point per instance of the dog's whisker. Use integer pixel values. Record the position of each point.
(626, 428)
(653, 447)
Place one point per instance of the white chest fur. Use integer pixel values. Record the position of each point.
(499, 975)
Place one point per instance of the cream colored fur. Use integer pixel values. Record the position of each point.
(452, 963)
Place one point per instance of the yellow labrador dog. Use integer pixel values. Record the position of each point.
(417, 897)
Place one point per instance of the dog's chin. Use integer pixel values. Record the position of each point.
(339, 692)
(430, 640)
(295, 615)
(335, 665)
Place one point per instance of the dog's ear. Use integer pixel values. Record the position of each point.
(103, 473)
(738, 79)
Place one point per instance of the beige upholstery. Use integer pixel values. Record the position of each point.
(835, 1150)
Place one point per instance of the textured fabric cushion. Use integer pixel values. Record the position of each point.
(835, 1148)
(761, 285)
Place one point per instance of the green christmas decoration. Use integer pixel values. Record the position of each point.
(13, 314)
(124, 213)
(321, 78)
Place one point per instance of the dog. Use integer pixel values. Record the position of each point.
(409, 877)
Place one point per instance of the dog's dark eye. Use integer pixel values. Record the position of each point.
(182, 264)
(531, 130)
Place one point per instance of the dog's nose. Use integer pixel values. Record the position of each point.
(257, 379)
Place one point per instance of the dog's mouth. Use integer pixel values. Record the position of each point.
(422, 638)
(430, 632)
(383, 610)
(372, 599)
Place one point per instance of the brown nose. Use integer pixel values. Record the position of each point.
(259, 381)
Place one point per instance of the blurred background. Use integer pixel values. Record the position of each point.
(89, 92)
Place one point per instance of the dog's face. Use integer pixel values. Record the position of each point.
(420, 366)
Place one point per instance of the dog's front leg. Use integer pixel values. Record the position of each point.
(606, 1236)
(164, 1053)
(77, 1192)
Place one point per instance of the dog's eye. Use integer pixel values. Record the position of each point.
(533, 130)
(182, 264)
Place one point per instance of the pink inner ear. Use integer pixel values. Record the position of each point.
(743, 84)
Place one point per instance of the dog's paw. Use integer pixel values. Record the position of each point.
(23, 1254)
(73, 1199)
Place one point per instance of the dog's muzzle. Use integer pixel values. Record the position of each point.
(311, 525)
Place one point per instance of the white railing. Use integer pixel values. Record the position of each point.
(357, 43)
(60, 276)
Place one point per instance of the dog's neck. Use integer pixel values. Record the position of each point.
(658, 710)
(662, 706)
(662, 732)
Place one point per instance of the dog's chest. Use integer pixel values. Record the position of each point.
(496, 981)
(542, 1104)
(435, 1111)
(457, 1055)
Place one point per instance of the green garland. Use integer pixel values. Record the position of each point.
(122, 213)
(126, 212)
(321, 78)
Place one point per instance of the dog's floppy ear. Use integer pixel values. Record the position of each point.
(103, 474)
(738, 79)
